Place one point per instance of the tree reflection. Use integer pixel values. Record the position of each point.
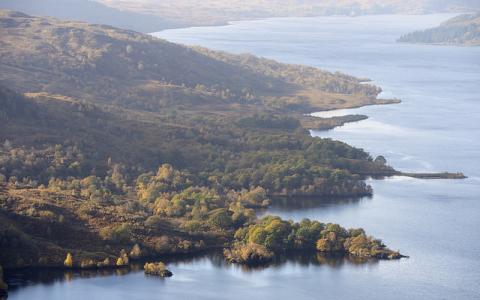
(307, 259)
(303, 203)
(26, 277)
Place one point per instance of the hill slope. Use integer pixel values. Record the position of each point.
(111, 138)
(113, 66)
(461, 30)
(92, 12)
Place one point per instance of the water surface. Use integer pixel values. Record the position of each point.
(435, 128)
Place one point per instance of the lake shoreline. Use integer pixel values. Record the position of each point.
(422, 216)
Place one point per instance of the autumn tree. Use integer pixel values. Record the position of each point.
(68, 262)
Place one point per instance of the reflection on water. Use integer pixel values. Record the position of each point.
(285, 204)
(25, 277)
(46, 277)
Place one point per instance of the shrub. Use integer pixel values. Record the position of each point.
(192, 225)
(120, 262)
(136, 252)
(163, 244)
(331, 242)
(68, 261)
(47, 214)
(250, 254)
(255, 198)
(157, 269)
(120, 233)
(220, 218)
(153, 221)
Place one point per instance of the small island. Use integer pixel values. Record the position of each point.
(261, 242)
(463, 30)
(157, 269)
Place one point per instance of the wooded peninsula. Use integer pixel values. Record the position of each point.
(118, 146)
(462, 30)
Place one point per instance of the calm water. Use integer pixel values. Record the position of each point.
(436, 128)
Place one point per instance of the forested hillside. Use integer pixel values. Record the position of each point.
(111, 138)
(462, 30)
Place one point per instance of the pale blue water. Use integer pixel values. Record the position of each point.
(436, 128)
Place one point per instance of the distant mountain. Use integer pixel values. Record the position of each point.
(461, 30)
(152, 15)
(92, 12)
(210, 12)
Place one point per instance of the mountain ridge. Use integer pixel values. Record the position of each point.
(81, 60)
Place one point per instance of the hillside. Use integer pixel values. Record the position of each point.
(111, 138)
(112, 66)
(211, 12)
(93, 12)
(462, 30)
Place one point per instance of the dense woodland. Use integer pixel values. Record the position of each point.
(117, 146)
(262, 150)
(257, 243)
(461, 30)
